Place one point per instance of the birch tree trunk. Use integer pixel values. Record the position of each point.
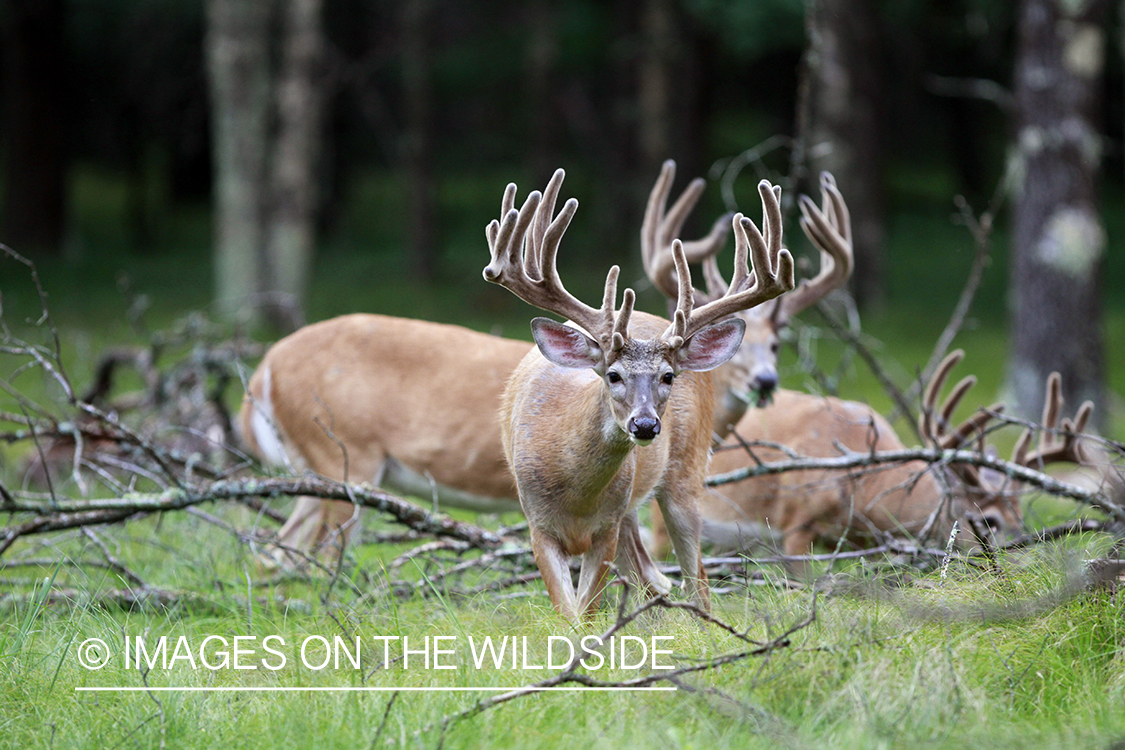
(296, 153)
(1058, 238)
(239, 78)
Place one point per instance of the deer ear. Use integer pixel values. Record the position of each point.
(564, 345)
(711, 346)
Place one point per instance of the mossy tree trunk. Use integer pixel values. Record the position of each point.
(1058, 239)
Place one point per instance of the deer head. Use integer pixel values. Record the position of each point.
(637, 370)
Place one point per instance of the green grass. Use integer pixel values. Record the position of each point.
(870, 672)
(873, 669)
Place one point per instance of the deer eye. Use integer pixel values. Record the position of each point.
(668, 378)
(613, 376)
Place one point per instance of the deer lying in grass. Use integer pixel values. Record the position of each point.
(751, 375)
(824, 505)
(616, 406)
(407, 404)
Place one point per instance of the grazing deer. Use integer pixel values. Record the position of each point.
(754, 369)
(407, 404)
(616, 405)
(823, 505)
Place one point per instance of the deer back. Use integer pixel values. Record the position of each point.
(821, 504)
(343, 396)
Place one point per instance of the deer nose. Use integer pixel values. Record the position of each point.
(643, 428)
(765, 382)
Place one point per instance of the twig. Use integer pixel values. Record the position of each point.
(850, 460)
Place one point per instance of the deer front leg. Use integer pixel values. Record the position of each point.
(313, 525)
(595, 571)
(685, 525)
(634, 561)
(554, 566)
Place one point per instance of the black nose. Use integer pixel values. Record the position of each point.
(765, 383)
(644, 428)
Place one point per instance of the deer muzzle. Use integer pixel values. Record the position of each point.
(643, 430)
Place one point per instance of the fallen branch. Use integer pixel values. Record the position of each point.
(1098, 499)
(73, 514)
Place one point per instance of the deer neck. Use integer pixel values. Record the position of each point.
(729, 407)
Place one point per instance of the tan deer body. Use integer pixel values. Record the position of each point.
(392, 401)
(578, 495)
(615, 406)
(824, 505)
(820, 505)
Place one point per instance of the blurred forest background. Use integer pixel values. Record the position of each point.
(281, 161)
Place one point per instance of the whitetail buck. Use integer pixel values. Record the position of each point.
(823, 505)
(751, 375)
(407, 404)
(616, 405)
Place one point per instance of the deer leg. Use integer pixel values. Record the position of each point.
(554, 566)
(661, 544)
(633, 559)
(685, 525)
(799, 541)
(316, 524)
(595, 572)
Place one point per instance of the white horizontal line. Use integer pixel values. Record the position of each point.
(348, 689)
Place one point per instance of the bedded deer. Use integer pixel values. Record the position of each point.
(407, 404)
(616, 406)
(751, 375)
(823, 505)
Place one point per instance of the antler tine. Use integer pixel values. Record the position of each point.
(829, 229)
(533, 247)
(771, 276)
(1053, 446)
(660, 228)
(654, 214)
(532, 275)
(936, 418)
(926, 423)
(713, 278)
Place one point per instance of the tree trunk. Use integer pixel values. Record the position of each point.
(239, 78)
(1058, 238)
(542, 62)
(654, 81)
(294, 174)
(845, 88)
(418, 145)
(34, 61)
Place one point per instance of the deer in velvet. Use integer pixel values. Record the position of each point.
(407, 404)
(754, 369)
(615, 406)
